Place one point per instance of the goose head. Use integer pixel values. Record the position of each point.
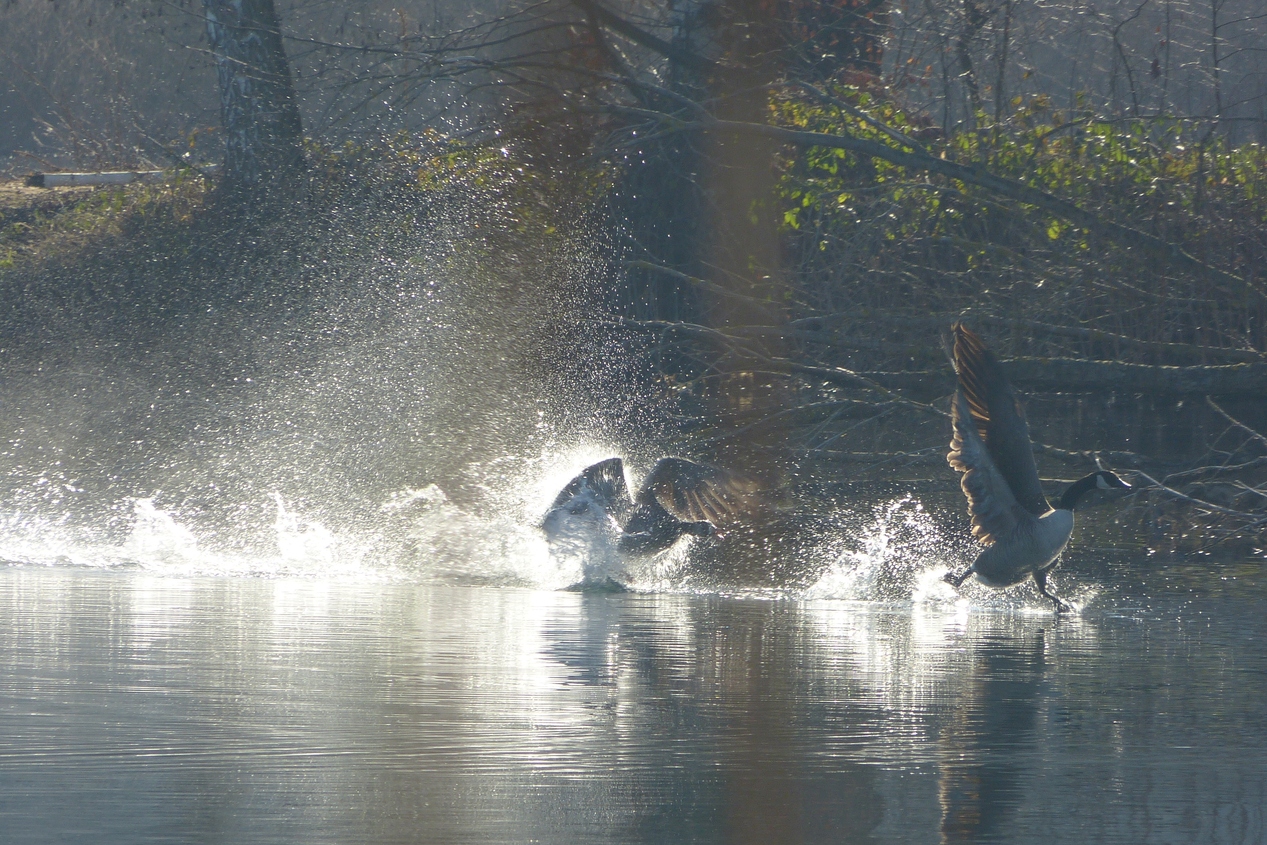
(1105, 480)
(1102, 480)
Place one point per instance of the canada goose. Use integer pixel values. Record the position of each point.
(1022, 533)
(679, 497)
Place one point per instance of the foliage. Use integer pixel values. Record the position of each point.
(524, 198)
(43, 225)
(953, 246)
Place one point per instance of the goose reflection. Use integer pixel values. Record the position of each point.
(980, 785)
(716, 692)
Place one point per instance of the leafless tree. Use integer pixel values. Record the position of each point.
(258, 107)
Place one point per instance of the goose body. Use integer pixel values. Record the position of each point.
(1023, 534)
(1034, 546)
(584, 523)
(595, 517)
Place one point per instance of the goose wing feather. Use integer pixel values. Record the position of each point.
(694, 492)
(995, 511)
(605, 481)
(999, 419)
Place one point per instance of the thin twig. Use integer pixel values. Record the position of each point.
(1234, 421)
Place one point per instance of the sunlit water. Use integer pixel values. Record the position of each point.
(437, 683)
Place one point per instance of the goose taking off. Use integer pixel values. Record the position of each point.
(1022, 533)
(679, 497)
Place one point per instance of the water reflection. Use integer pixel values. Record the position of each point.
(135, 708)
(990, 729)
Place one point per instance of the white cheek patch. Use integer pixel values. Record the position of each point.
(1101, 483)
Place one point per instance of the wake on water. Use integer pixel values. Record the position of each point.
(894, 553)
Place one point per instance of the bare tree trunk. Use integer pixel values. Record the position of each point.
(1216, 6)
(974, 19)
(258, 108)
(1000, 83)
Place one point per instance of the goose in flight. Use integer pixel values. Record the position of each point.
(1022, 533)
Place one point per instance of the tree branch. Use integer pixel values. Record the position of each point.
(974, 175)
(646, 39)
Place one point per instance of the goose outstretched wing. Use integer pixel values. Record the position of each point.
(995, 511)
(694, 492)
(998, 419)
(604, 482)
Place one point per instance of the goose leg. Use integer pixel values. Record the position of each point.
(1040, 578)
(955, 580)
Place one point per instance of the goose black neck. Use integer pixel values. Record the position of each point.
(1075, 491)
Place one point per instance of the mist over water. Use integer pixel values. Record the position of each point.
(376, 393)
(362, 400)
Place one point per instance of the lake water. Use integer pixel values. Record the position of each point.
(146, 705)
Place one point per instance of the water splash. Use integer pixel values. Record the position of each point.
(417, 533)
(409, 498)
(41, 541)
(158, 540)
(900, 555)
(432, 538)
(895, 553)
(301, 541)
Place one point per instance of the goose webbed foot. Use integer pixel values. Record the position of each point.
(955, 580)
(1040, 578)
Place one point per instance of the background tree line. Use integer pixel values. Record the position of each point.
(98, 79)
(799, 196)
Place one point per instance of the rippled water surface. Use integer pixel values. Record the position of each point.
(137, 707)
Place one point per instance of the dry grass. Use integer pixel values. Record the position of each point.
(39, 225)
